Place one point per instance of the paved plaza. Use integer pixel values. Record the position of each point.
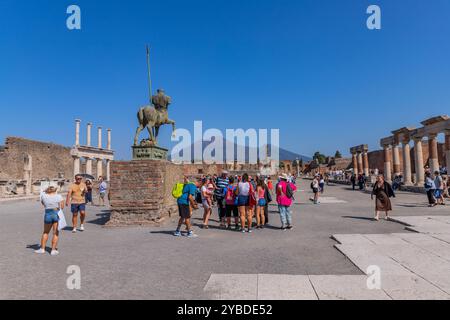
(325, 256)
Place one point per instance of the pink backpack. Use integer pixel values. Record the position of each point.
(230, 197)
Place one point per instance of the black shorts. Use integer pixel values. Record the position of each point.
(231, 211)
(184, 210)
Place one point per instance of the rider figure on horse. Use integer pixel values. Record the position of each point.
(154, 116)
(161, 101)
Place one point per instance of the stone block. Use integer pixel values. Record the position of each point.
(346, 287)
(285, 287)
(232, 287)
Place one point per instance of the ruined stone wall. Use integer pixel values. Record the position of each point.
(376, 160)
(201, 169)
(48, 159)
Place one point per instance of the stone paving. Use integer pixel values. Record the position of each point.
(412, 266)
(305, 263)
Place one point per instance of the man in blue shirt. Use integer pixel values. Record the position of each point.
(185, 202)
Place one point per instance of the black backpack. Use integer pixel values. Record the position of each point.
(289, 191)
(268, 196)
(198, 197)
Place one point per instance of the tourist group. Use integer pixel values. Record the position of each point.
(242, 201)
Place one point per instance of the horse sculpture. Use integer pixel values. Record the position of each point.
(153, 117)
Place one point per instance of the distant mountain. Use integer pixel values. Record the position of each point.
(288, 155)
(283, 153)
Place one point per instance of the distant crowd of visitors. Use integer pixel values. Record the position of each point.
(242, 201)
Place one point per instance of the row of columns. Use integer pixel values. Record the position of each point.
(77, 167)
(418, 157)
(360, 163)
(88, 136)
(92, 154)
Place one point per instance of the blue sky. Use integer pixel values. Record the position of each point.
(308, 67)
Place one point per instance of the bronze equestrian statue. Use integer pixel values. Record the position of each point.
(154, 116)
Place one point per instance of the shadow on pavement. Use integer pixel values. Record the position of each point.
(200, 226)
(210, 220)
(163, 232)
(358, 218)
(270, 227)
(35, 247)
(410, 205)
(102, 219)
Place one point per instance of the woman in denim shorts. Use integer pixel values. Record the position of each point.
(52, 203)
(243, 201)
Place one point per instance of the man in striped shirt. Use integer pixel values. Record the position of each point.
(221, 184)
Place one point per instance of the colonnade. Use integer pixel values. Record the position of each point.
(91, 153)
(430, 130)
(360, 159)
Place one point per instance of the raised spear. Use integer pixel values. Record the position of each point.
(149, 75)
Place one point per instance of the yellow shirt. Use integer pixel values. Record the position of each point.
(78, 192)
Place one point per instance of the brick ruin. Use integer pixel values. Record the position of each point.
(27, 166)
(25, 163)
(49, 160)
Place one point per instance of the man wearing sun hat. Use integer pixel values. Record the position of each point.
(285, 191)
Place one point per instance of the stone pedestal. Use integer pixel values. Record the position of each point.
(149, 153)
(141, 191)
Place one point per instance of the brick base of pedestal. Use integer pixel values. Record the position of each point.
(141, 192)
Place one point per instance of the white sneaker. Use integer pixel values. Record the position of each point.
(54, 252)
(82, 227)
(40, 251)
(74, 230)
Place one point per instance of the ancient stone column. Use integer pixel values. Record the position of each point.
(387, 163)
(433, 152)
(360, 163)
(88, 137)
(355, 163)
(99, 168)
(108, 170)
(447, 150)
(396, 156)
(77, 132)
(89, 166)
(407, 178)
(109, 140)
(27, 174)
(366, 163)
(99, 137)
(76, 166)
(418, 154)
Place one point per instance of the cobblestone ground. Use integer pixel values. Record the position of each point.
(149, 263)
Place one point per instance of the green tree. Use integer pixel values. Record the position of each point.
(338, 155)
(321, 159)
